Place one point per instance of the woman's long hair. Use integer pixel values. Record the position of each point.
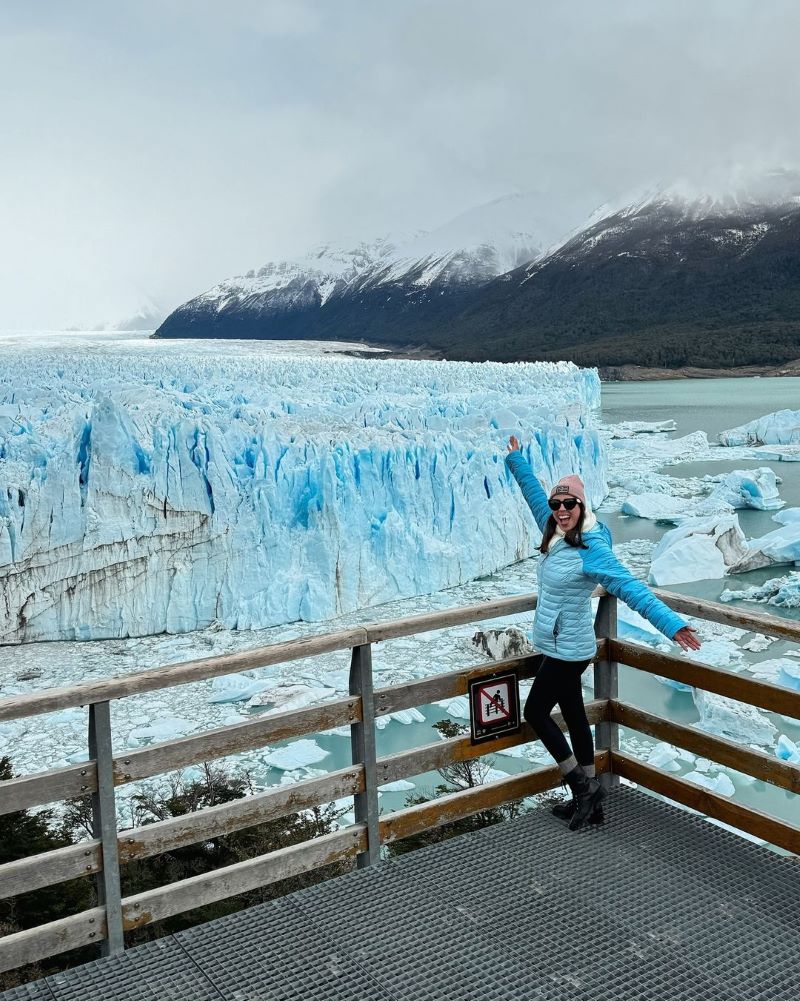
(574, 537)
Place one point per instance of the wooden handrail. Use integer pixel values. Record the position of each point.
(53, 699)
(762, 766)
(774, 698)
(728, 615)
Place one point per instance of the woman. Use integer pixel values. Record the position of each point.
(576, 556)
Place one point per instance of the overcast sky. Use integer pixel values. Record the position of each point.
(151, 148)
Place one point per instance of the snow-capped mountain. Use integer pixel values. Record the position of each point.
(271, 301)
(671, 277)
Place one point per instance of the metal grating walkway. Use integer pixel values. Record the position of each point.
(656, 905)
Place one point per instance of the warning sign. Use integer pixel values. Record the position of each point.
(494, 706)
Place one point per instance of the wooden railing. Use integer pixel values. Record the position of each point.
(102, 856)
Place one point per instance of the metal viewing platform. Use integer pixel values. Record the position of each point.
(656, 904)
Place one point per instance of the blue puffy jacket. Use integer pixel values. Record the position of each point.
(564, 627)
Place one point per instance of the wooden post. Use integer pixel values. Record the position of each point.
(362, 740)
(606, 683)
(104, 824)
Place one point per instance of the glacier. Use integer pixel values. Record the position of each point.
(147, 492)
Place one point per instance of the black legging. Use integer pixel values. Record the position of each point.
(560, 681)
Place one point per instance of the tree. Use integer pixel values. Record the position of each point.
(23, 834)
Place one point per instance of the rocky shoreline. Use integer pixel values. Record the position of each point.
(637, 373)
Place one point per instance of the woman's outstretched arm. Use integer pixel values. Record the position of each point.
(531, 488)
(602, 566)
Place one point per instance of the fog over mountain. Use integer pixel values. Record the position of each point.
(160, 147)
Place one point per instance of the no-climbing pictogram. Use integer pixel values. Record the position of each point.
(494, 706)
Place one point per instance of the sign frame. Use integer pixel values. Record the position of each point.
(484, 704)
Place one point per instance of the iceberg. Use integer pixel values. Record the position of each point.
(656, 507)
(698, 549)
(781, 591)
(500, 644)
(787, 750)
(719, 783)
(788, 516)
(457, 707)
(162, 729)
(235, 688)
(738, 489)
(758, 643)
(778, 670)
(733, 720)
(756, 488)
(404, 716)
(780, 546)
(667, 449)
(156, 493)
(779, 428)
(628, 429)
(664, 756)
(299, 754)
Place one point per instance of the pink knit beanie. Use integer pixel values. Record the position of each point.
(569, 485)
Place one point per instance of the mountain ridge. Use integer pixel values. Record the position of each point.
(668, 280)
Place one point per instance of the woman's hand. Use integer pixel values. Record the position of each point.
(513, 444)
(686, 638)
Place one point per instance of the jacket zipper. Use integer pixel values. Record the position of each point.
(556, 630)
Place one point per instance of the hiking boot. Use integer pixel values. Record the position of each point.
(587, 794)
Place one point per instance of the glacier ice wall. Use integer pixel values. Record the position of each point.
(144, 493)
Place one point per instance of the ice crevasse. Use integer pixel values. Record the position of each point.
(141, 495)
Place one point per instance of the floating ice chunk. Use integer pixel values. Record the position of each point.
(163, 729)
(779, 428)
(627, 429)
(679, 686)
(68, 717)
(656, 506)
(404, 716)
(787, 750)
(790, 675)
(457, 707)
(287, 697)
(759, 643)
(742, 488)
(733, 720)
(501, 644)
(719, 783)
(400, 785)
(664, 756)
(698, 549)
(669, 448)
(781, 591)
(780, 546)
(777, 453)
(235, 688)
(773, 670)
(788, 515)
(298, 754)
(719, 652)
(494, 775)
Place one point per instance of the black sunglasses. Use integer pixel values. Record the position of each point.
(554, 504)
